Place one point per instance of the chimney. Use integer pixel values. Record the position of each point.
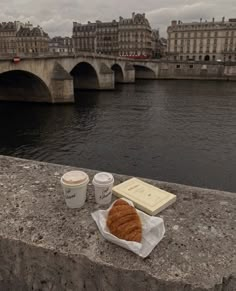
(223, 19)
(200, 20)
(173, 22)
(144, 15)
(213, 19)
(133, 14)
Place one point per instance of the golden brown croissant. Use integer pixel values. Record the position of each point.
(123, 221)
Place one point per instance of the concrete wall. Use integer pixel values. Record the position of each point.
(45, 246)
(62, 91)
(197, 70)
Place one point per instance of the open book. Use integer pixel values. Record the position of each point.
(146, 197)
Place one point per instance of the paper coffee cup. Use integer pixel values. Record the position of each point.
(103, 183)
(74, 184)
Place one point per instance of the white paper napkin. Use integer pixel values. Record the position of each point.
(153, 231)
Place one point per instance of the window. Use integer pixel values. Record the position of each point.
(190, 66)
(177, 66)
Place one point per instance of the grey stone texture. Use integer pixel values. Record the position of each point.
(197, 70)
(46, 246)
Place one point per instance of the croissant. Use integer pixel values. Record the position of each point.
(123, 221)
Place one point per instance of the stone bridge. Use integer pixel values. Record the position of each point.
(53, 78)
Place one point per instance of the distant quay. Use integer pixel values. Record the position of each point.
(197, 70)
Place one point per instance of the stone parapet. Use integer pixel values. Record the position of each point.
(46, 246)
(197, 70)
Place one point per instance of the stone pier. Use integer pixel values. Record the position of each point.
(46, 246)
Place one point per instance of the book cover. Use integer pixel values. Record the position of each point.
(146, 197)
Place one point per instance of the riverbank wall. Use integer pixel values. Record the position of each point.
(197, 70)
(46, 246)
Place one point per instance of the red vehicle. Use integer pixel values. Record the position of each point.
(137, 57)
(16, 60)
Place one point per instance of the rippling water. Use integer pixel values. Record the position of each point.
(177, 131)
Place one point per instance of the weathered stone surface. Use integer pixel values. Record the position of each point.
(197, 70)
(46, 246)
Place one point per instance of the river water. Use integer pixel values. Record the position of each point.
(176, 131)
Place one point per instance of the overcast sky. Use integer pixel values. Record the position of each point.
(56, 16)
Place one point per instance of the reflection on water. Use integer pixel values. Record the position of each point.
(178, 131)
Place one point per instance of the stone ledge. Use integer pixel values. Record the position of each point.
(46, 246)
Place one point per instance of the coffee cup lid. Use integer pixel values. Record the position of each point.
(103, 178)
(74, 177)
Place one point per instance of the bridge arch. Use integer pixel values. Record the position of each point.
(21, 85)
(143, 72)
(118, 73)
(85, 76)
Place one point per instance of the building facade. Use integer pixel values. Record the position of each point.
(127, 37)
(8, 37)
(159, 45)
(31, 39)
(155, 44)
(202, 41)
(107, 38)
(19, 38)
(60, 45)
(163, 46)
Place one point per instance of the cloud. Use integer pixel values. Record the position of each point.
(56, 17)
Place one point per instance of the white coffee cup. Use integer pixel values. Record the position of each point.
(74, 184)
(103, 183)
